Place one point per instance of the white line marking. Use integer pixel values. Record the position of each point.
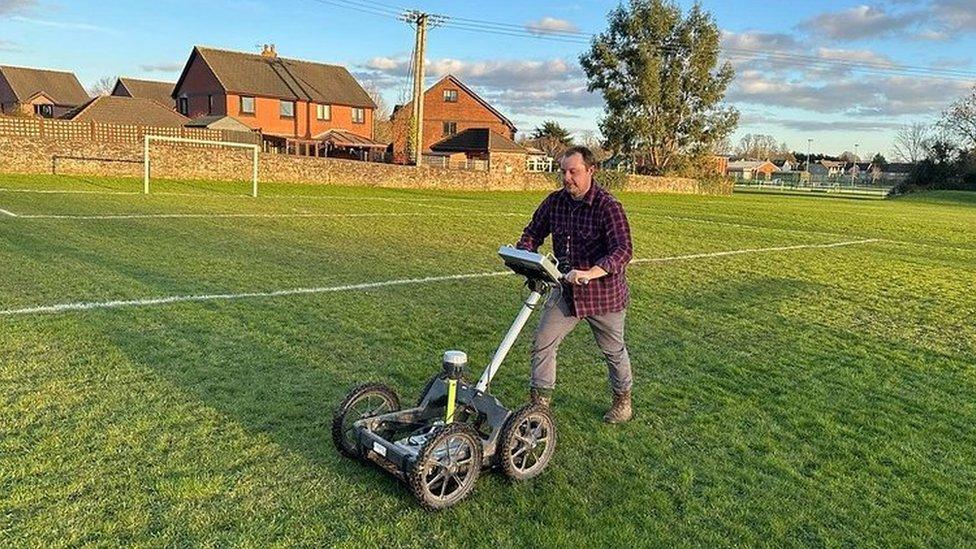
(263, 216)
(645, 213)
(757, 250)
(8, 212)
(65, 191)
(85, 306)
(406, 200)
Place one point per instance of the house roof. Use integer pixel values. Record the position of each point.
(113, 109)
(62, 88)
(250, 73)
(832, 163)
(161, 92)
(342, 138)
(218, 122)
(467, 90)
(477, 140)
(748, 164)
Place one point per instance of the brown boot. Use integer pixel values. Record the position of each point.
(540, 396)
(620, 411)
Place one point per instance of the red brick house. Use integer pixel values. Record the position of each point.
(450, 107)
(160, 92)
(39, 92)
(293, 103)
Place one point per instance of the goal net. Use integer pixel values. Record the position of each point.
(148, 164)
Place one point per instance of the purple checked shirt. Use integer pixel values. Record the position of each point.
(587, 232)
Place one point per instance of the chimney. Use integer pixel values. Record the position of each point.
(269, 51)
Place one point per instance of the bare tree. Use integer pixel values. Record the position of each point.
(757, 147)
(382, 126)
(102, 86)
(590, 140)
(912, 142)
(959, 120)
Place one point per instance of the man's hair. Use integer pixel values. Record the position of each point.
(585, 152)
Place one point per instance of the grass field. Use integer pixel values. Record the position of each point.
(786, 394)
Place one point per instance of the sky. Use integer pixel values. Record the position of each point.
(531, 79)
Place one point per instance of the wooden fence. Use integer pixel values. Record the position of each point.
(69, 130)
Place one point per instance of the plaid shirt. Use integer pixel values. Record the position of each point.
(587, 232)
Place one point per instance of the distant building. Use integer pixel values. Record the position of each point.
(752, 169)
(134, 111)
(39, 92)
(450, 107)
(161, 92)
(292, 102)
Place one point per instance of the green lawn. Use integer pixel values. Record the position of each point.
(814, 396)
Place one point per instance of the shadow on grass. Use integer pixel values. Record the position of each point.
(731, 391)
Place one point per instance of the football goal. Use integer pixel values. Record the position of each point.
(150, 139)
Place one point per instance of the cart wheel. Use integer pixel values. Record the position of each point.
(527, 442)
(367, 400)
(447, 467)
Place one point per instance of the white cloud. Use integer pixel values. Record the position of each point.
(746, 42)
(551, 25)
(16, 6)
(382, 63)
(857, 23)
(63, 24)
(855, 56)
(162, 67)
(526, 87)
(865, 96)
(9, 46)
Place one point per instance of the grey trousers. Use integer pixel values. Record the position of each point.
(557, 322)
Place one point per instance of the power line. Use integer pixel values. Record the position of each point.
(577, 37)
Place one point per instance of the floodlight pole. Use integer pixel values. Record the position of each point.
(145, 164)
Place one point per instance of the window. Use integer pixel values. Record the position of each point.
(184, 106)
(247, 105)
(209, 104)
(450, 128)
(450, 96)
(358, 115)
(45, 111)
(323, 112)
(287, 109)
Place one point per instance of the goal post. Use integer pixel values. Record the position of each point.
(255, 149)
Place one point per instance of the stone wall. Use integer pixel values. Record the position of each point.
(170, 161)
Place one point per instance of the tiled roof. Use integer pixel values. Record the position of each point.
(247, 73)
(147, 89)
(113, 109)
(61, 87)
(477, 140)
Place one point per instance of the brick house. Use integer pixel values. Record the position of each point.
(292, 103)
(39, 92)
(828, 168)
(495, 151)
(161, 92)
(450, 107)
(752, 169)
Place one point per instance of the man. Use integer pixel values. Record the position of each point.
(591, 240)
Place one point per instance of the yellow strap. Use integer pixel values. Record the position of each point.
(451, 395)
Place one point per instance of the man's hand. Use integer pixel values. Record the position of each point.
(578, 278)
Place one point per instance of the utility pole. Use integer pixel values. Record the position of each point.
(855, 168)
(421, 21)
(809, 143)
